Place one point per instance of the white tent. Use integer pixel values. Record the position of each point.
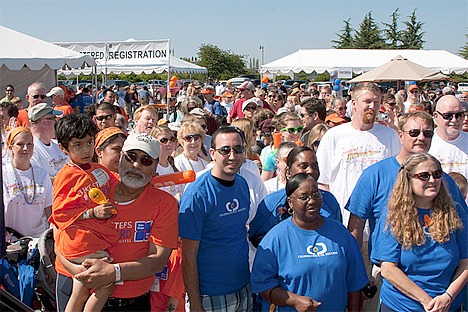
(24, 60)
(359, 61)
(154, 66)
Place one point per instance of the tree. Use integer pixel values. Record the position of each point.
(464, 50)
(412, 36)
(391, 33)
(369, 35)
(345, 39)
(220, 64)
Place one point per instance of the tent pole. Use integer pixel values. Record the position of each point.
(168, 93)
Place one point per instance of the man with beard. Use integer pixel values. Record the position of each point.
(450, 144)
(146, 223)
(346, 150)
(213, 214)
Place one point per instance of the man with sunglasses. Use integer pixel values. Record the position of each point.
(9, 94)
(412, 97)
(212, 224)
(36, 94)
(450, 144)
(105, 116)
(372, 190)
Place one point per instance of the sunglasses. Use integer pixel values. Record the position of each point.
(36, 96)
(426, 176)
(144, 160)
(303, 115)
(416, 132)
(294, 130)
(204, 127)
(391, 103)
(190, 137)
(449, 116)
(104, 117)
(9, 90)
(226, 150)
(165, 140)
(251, 108)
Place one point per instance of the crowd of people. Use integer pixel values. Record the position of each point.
(303, 200)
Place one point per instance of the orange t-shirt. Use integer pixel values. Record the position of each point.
(77, 238)
(65, 108)
(22, 119)
(152, 217)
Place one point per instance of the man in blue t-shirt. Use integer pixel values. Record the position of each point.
(212, 224)
(373, 189)
(83, 100)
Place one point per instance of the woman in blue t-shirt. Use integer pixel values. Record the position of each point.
(421, 242)
(308, 262)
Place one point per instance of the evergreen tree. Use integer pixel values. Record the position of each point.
(464, 50)
(369, 35)
(412, 36)
(391, 33)
(345, 39)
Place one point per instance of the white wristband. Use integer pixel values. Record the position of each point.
(86, 215)
(118, 275)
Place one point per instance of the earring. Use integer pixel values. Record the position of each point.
(290, 211)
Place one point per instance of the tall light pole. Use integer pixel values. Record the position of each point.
(262, 55)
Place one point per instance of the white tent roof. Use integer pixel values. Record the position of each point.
(320, 60)
(19, 50)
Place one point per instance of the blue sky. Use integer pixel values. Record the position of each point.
(282, 27)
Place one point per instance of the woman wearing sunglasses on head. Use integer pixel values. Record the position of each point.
(191, 137)
(308, 262)
(421, 242)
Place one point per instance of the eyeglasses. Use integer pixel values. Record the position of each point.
(104, 117)
(305, 198)
(303, 115)
(144, 160)
(271, 95)
(165, 140)
(416, 132)
(414, 91)
(391, 103)
(426, 176)
(251, 108)
(294, 130)
(226, 150)
(190, 137)
(9, 90)
(36, 96)
(449, 116)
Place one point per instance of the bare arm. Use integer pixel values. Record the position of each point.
(356, 227)
(282, 297)
(266, 175)
(324, 187)
(397, 278)
(355, 301)
(190, 273)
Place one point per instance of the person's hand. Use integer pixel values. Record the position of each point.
(99, 273)
(304, 304)
(104, 211)
(440, 303)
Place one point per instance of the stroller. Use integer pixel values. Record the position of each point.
(27, 270)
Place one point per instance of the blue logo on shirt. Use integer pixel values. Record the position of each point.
(142, 230)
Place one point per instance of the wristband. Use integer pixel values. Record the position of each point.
(86, 215)
(118, 275)
(451, 298)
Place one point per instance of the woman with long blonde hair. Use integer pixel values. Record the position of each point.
(421, 242)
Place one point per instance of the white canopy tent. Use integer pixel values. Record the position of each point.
(24, 60)
(359, 61)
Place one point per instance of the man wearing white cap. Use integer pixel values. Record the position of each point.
(57, 95)
(250, 106)
(47, 153)
(146, 221)
(247, 90)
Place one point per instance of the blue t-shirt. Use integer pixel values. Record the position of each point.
(430, 266)
(215, 108)
(216, 216)
(374, 187)
(82, 101)
(324, 264)
(272, 210)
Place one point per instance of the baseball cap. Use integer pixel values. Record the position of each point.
(40, 110)
(197, 111)
(335, 119)
(227, 94)
(246, 85)
(142, 142)
(254, 100)
(208, 90)
(56, 91)
(412, 87)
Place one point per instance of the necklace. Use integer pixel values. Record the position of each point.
(20, 184)
(196, 161)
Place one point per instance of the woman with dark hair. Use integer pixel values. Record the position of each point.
(308, 261)
(421, 242)
(108, 145)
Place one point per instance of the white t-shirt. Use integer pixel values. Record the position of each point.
(183, 163)
(27, 219)
(272, 185)
(173, 189)
(49, 157)
(453, 155)
(345, 152)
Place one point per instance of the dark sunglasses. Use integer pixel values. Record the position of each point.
(303, 115)
(36, 96)
(145, 160)
(416, 132)
(251, 108)
(226, 150)
(391, 103)
(449, 116)
(165, 140)
(426, 176)
(104, 117)
(204, 127)
(9, 90)
(190, 137)
(293, 130)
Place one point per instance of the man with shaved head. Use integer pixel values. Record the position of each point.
(450, 143)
